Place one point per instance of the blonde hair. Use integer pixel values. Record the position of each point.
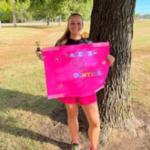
(63, 40)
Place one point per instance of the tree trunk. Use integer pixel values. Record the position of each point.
(21, 16)
(113, 21)
(14, 13)
(59, 20)
(48, 21)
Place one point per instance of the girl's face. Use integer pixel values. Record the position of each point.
(75, 25)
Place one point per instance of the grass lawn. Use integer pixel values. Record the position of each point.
(24, 109)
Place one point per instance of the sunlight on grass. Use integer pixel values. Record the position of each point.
(141, 37)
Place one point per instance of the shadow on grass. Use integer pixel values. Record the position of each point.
(34, 136)
(31, 26)
(36, 104)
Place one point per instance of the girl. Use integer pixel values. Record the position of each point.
(89, 103)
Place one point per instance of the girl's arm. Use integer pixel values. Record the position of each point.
(40, 55)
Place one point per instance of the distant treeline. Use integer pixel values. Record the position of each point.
(47, 10)
(139, 16)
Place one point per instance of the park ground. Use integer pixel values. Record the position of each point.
(28, 121)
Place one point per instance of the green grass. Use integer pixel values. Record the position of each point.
(141, 35)
(24, 108)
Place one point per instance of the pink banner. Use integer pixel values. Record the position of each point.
(75, 70)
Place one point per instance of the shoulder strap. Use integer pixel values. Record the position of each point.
(86, 40)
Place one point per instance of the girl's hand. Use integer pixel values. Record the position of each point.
(111, 60)
(40, 55)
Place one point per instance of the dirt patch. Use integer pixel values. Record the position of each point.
(119, 140)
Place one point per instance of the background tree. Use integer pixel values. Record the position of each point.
(146, 16)
(14, 13)
(43, 10)
(60, 10)
(22, 12)
(14, 4)
(6, 10)
(137, 16)
(0, 17)
(84, 8)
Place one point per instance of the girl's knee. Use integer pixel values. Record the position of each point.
(95, 123)
(72, 117)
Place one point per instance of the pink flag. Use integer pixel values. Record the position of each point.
(75, 70)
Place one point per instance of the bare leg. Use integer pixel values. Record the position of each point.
(72, 112)
(92, 114)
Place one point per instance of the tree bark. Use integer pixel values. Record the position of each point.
(113, 21)
(14, 13)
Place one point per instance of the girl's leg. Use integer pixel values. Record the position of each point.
(92, 114)
(72, 112)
